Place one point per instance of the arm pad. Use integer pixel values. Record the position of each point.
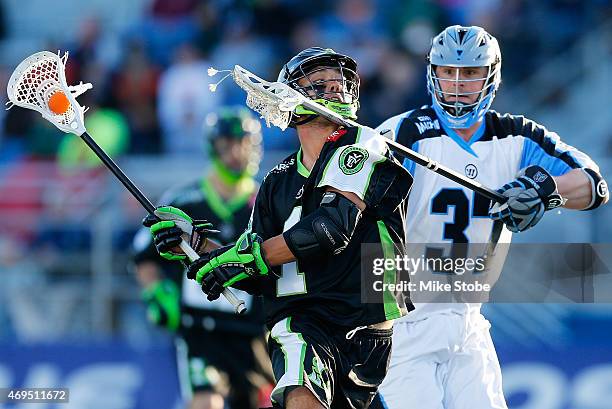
(599, 189)
(326, 231)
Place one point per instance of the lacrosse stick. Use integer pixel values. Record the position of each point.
(276, 101)
(39, 83)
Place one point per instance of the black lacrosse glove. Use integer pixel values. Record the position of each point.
(532, 193)
(228, 265)
(170, 225)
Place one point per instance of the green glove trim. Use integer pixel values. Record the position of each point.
(166, 224)
(235, 279)
(173, 257)
(175, 211)
(259, 260)
(163, 304)
(246, 251)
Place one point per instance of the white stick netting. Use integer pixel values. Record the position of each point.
(274, 101)
(36, 79)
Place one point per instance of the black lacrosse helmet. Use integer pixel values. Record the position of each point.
(314, 59)
(235, 123)
(231, 122)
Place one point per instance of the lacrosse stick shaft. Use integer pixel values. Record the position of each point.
(112, 166)
(414, 156)
(447, 172)
(239, 305)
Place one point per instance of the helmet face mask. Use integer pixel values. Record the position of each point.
(326, 77)
(452, 96)
(234, 143)
(456, 99)
(329, 83)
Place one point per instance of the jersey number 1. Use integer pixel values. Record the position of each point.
(291, 281)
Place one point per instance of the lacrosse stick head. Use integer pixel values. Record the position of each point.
(274, 101)
(39, 83)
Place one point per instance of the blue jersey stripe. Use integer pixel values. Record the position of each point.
(552, 154)
(409, 164)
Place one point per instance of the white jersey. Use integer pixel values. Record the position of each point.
(442, 211)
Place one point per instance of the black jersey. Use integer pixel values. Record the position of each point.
(200, 201)
(329, 288)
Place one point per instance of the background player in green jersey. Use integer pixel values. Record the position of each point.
(224, 196)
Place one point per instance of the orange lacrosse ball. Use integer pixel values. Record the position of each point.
(59, 103)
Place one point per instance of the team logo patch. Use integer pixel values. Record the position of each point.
(317, 374)
(539, 177)
(352, 159)
(471, 171)
(602, 188)
(424, 126)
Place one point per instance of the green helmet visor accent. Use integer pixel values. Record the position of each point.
(225, 209)
(227, 175)
(348, 111)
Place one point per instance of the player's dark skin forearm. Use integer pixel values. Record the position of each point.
(210, 246)
(276, 251)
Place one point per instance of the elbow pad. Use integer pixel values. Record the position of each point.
(599, 189)
(326, 231)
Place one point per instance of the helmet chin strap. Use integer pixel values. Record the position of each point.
(459, 106)
(304, 119)
(304, 116)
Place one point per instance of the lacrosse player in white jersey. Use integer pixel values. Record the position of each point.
(442, 355)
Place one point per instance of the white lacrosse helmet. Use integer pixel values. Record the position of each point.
(460, 47)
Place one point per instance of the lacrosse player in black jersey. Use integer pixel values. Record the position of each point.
(224, 196)
(302, 250)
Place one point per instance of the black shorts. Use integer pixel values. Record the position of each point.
(340, 372)
(232, 364)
